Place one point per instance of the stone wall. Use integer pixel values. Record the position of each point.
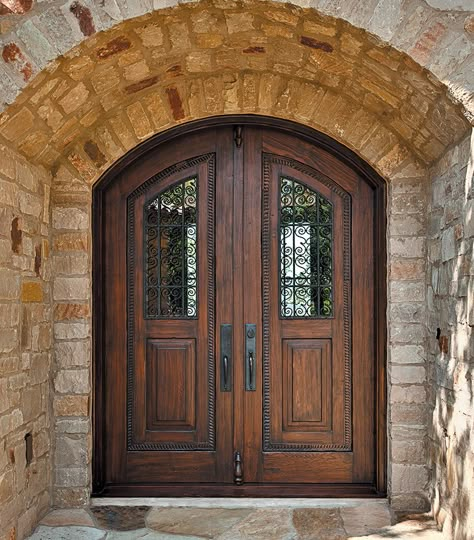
(25, 344)
(119, 87)
(408, 466)
(450, 304)
(437, 34)
(71, 242)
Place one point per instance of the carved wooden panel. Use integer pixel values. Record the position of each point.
(170, 362)
(170, 384)
(293, 418)
(307, 394)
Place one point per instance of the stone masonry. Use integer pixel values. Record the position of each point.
(450, 305)
(104, 92)
(25, 343)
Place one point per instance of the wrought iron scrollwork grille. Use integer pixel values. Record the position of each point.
(306, 262)
(171, 252)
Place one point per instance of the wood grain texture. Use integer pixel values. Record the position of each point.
(324, 377)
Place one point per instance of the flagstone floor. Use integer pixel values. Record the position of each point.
(341, 521)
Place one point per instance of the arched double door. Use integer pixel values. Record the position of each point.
(237, 324)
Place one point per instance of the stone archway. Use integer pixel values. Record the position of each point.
(89, 107)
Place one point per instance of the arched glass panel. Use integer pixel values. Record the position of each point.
(171, 252)
(306, 230)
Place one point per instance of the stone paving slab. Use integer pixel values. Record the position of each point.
(369, 520)
(202, 522)
(68, 517)
(67, 533)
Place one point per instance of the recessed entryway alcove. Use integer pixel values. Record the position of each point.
(108, 84)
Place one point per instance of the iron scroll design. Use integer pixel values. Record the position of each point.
(268, 444)
(170, 247)
(210, 444)
(306, 265)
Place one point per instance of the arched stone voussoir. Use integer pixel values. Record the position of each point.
(437, 35)
(122, 85)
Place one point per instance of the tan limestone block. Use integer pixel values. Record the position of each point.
(239, 22)
(136, 71)
(277, 30)
(123, 132)
(83, 166)
(71, 405)
(319, 28)
(74, 99)
(34, 143)
(69, 311)
(179, 36)
(18, 125)
(209, 41)
(139, 120)
(151, 35)
(157, 109)
(31, 291)
(105, 79)
(283, 16)
(71, 242)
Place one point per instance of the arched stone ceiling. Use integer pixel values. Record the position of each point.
(122, 85)
(437, 34)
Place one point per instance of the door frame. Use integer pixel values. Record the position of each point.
(333, 147)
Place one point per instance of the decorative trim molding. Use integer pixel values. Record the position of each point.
(132, 445)
(268, 445)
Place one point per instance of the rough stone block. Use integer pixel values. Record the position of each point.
(71, 452)
(72, 353)
(32, 291)
(407, 312)
(448, 244)
(408, 247)
(409, 414)
(71, 405)
(71, 288)
(30, 204)
(71, 477)
(8, 340)
(74, 426)
(408, 394)
(72, 381)
(407, 291)
(408, 374)
(71, 330)
(409, 478)
(70, 218)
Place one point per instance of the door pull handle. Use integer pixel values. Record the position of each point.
(226, 355)
(225, 366)
(251, 372)
(250, 358)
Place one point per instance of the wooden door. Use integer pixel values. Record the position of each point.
(238, 320)
(309, 275)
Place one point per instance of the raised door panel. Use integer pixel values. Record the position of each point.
(171, 291)
(306, 310)
(170, 392)
(306, 380)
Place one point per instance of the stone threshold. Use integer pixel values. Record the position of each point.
(233, 502)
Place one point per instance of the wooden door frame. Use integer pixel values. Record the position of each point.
(367, 173)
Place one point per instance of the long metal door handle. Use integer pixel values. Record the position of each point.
(225, 362)
(226, 358)
(250, 357)
(251, 372)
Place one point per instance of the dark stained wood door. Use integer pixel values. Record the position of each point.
(309, 282)
(237, 285)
